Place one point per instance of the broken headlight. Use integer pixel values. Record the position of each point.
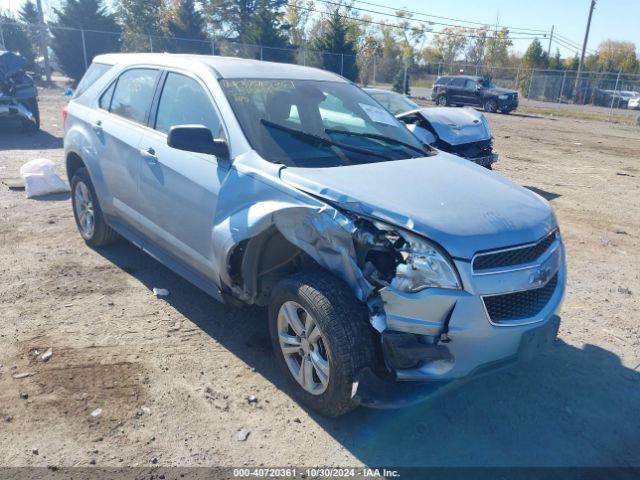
(424, 266)
(407, 262)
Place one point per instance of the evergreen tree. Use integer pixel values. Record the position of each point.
(185, 22)
(267, 30)
(555, 62)
(535, 56)
(142, 25)
(16, 39)
(400, 83)
(233, 19)
(340, 49)
(93, 18)
(29, 15)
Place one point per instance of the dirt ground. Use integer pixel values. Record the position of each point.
(172, 376)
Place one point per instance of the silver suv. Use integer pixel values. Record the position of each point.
(390, 270)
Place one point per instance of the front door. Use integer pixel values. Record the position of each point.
(178, 189)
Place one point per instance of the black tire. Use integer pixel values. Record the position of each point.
(347, 335)
(442, 100)
(102, 233)
(32, 105)
(505, 111)
(491, 106)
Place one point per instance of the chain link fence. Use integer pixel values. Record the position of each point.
(604, 89)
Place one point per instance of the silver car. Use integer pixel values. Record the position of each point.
(390, 271)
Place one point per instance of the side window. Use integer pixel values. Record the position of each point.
(185, 102)
(471, 85)
(457, 82)
(443, 80)
(105, 98)
(133, 93)
(91, 76)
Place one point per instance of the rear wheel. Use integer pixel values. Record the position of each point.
(87, 212)
(321, 338)
(442, 101)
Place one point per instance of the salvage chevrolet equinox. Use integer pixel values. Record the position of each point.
(391, 270)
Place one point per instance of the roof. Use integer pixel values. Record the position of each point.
(455, 75)
(224, 67)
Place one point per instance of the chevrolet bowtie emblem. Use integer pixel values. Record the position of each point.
(540, 276)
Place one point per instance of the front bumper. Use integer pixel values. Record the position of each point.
(441, 335)
(509, 104)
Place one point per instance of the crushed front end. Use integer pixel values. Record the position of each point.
(443, 320)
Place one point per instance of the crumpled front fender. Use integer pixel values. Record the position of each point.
(318, 229)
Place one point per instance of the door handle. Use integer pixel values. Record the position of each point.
(149, 155)
(97, 127)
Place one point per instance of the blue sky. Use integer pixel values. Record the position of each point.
(616, 19)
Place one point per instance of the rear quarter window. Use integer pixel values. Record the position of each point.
(91, 76)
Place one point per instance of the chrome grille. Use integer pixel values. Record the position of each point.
(519, 305)
(512, 256)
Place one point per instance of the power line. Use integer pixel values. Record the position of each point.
(391, 25)
(429, 22)
(448, 18)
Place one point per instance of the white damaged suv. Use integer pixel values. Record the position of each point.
(390, 270)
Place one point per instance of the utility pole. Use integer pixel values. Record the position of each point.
(550, 40)
(584, 48)
(43, 42)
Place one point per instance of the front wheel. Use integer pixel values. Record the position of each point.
(32, 106)
(491, 106)
(321, 339)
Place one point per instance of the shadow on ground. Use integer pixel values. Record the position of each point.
(573, 406)
(13, 137)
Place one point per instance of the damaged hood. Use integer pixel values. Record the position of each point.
(460, 205)
(457, 126)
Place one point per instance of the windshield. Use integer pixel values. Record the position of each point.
(394, 102)
(316, 124)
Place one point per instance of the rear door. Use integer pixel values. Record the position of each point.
(455, 90)
(179, 190)
(118, 125)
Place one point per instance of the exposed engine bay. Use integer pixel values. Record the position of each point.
(460, 131)
(18, 94)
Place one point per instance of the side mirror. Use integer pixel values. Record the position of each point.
(198, 139)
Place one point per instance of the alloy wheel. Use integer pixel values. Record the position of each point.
(83, 206)
(303, 347)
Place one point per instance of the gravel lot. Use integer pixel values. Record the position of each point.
(172, 376)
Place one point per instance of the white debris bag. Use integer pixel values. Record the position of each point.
(40, 178)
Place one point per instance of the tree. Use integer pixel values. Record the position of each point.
(16, 39)
(401, 82)
(450, 43)
(267, 29)
(234, 18)
(186, 24)
(535, 56)
(143, 24)
(92, 16)
(476, 47)
(572, 63)
(297, 16)
(340, 49)
(555, 62)
(613, 56)
(497, 49)
(29, 15)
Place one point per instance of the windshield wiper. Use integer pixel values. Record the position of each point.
(326, 141)
(376, 136)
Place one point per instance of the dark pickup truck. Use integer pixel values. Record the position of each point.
(476, 91)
